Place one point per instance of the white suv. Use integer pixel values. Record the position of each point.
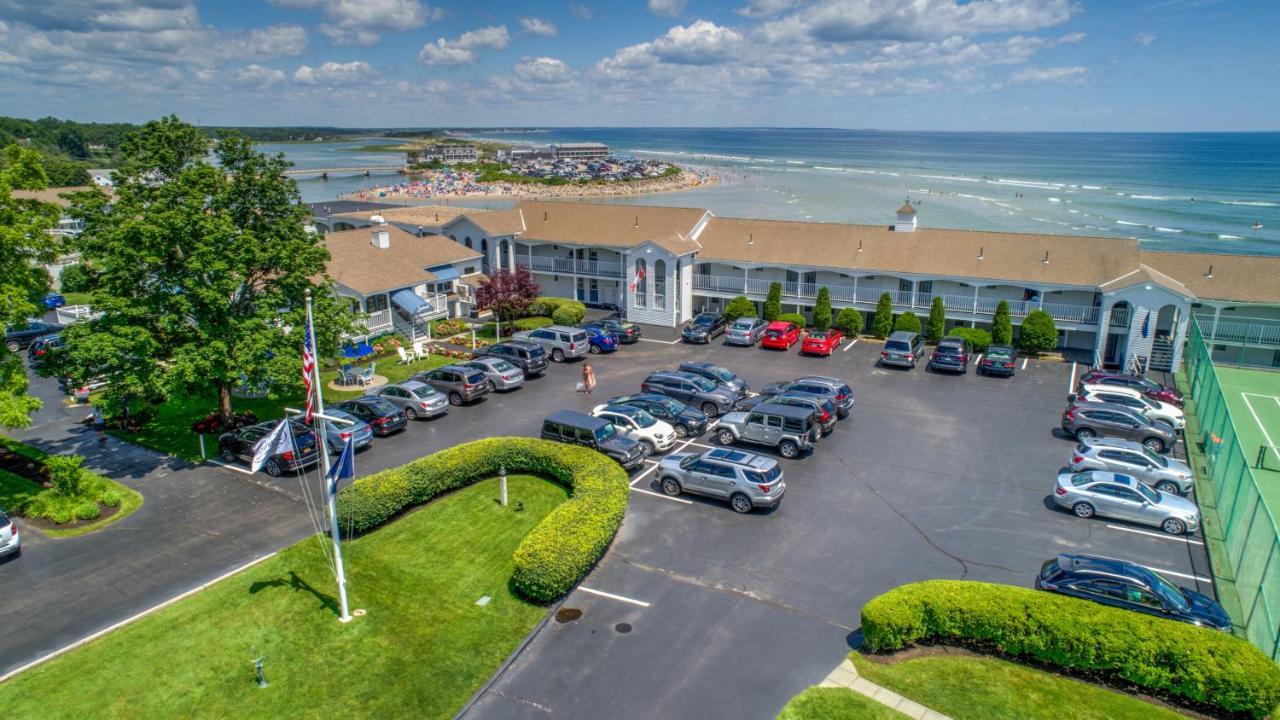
(634, 423)
(1153, 409)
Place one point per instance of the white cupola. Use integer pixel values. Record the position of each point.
(906, 221)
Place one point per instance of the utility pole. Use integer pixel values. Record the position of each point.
(332, 498)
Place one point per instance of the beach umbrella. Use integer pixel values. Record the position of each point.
(357, 351)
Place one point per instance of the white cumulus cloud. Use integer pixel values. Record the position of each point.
(1068, 74)
(847, 21)
(538, 26)
(1145, 39)
(463, 49)
(666, 8)
(333, 73)
(363, 22)
(542, 70)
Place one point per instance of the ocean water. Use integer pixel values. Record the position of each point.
(1187, 191)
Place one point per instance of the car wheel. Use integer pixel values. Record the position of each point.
(595, 349)
(1154, 444)
(455, 398)
(1173, 526)
(788, 449)
(273, 469)
(724, 437)
(410, 414)
(709, 409)
(1167, 486)
(681, 431)
(740, 503)
(12, 346)
(649, 447)
(1085, 434)
(228, 457)
(557, 355)
(671, 486)
(1082, 510)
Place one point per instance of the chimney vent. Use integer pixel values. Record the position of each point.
(751, 239)
(381, 239)
(378, 219)
(1210, 273)
(1045, 261)
(544, 216)
(637, 221)
(981, 251)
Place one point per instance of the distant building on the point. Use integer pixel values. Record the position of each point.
(446, 152)
(580, 151)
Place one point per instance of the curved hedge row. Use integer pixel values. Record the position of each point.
(556, 553)
(1160, 656)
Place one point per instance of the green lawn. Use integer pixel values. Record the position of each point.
(836, 703)
(15, 490)
(422, 650)
(981, 688)
(170, 430)
(78, 298)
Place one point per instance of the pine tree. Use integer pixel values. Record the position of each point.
(773, 305)
(882, 322)
(937, 321)
(1002, 325)
(822, 309)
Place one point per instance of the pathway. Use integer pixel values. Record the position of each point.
(846, 676)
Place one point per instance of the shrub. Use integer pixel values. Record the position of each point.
(533, 323)
(65, 473)
(796, 318)
(822, 309)
(110, 498)
(882, 322)
(1038, 332)
(1160, 656)
(556, 553)
(978, 338)
(849, 321)
(77, 278)
(1002, 325)
(937, 325)
(773, 303)
(739, 307)
(908, 322)
(87, 510)
(547, 305)
(569, 313)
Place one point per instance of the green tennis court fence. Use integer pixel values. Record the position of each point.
(1249, 525)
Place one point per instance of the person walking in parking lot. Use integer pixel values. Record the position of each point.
(588, 378)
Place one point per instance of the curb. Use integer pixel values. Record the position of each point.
(845, 675)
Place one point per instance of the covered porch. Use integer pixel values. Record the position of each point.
(408, 311)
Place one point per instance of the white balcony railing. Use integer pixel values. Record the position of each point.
(902, 300)
(377, 320)
(570, 266)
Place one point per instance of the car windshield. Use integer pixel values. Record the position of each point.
(773, 333)
(1147, 493)
(474, 378)
(704, 384)
(1149, 386)
(1155, 457)
(536, 352)
(642, 418)
(605, 433)
(1149, 403)
(721, 373)
(1001, 354)
(704, 320)
(742, 325)
(425, 391)
(948, 350)
(672, 406)
(1169, 592)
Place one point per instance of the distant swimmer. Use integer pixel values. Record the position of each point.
(1257, 225)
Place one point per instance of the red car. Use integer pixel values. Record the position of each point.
(780, 335)
(1153, 390)
(821, 342)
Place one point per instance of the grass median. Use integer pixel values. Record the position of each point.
(422, 650)
(836, 703)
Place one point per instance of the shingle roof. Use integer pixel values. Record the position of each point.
(1245, 278)
(355, 263)
(611, 225)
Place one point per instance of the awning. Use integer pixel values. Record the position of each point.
(409, 302)
(446, 272)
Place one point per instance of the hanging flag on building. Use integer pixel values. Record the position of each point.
(276, 442)
(308, 367)
(343, 468)
(639, 276)
(1146, 324)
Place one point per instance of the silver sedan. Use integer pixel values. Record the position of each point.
(1107, 494)
(745, 331)
(501, 373)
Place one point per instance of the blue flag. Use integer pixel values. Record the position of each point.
(342, 469)
(1146, 327)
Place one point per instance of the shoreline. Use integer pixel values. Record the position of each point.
(410, 195)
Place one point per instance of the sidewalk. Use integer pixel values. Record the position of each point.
(846, 676)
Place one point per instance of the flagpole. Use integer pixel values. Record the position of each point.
(324, 459)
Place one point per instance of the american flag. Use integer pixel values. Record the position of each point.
(308, 365)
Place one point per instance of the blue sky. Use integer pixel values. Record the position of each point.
(890, 64)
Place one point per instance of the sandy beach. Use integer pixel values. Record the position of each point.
(437, 185)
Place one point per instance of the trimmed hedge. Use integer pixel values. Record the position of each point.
(1164, 657)
(849, 321)
(908, 322)
(563, 311)
(796, 318)
(978, 338)
(557, 553)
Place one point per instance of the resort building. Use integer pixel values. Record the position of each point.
(580, 151)
(446, 152)
(1111, 299)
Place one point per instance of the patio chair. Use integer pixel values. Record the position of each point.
(404, 357)
(420, 350)
(366, 377)
(346, 375)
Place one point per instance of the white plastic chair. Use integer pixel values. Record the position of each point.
(419, 349)
(404, 357)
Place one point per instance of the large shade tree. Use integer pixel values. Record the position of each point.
(202, 270)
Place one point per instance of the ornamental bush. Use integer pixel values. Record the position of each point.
(978, 338)
(1038, 332)
(882, 321)
(77, 278)
(739, 307)
(531, 323)
(1002, 325)
(937, 325)
(555, 554)
(773, 303)
(65, 473)
(796, 318)
(1164, 657)
(570, 312)
(849, 322)
(908, 322)
(546, 305)
(822, 309)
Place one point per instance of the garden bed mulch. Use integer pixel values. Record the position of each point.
(33, 470)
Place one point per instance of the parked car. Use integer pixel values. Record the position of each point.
(1132, 399)
(1127, 585)
(600, 340)
(746, 480)
(416, 398)
(780, 335)
(951, 354)
(528, 356)
(10, 541)
(998, 360)
(789, 429)
(53, 301)
(1130, 458)
(18, 337)
(458, 383)
(42, 349)
(336, 434)
(1108, 494)
(695, 390)
(903, 349)
(704, 327)
(717, 375)
(632, 422)
(559, 341)
(833, 389)
(238, 445)
(821, 342)
(745, 331)
(1151, 389)
(500, 373)
(686, 421)
(575, 428)
(627, 332)
(1089, 420)
(825, 409)
(384, 417)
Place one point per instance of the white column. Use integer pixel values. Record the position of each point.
(975, 299)
(914, 285)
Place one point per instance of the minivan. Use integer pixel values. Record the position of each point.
(575, 428)
(560, 341)
(528, 356)
(903, 348)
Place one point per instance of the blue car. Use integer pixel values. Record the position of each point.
(601, 340)
(53, 301)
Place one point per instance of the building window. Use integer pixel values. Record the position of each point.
(641, 282)
(467, 241)
(469, 270)
(504, 252)
(660, 284)
(904, 285)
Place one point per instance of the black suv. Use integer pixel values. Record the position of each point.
(528, 356)
(575, 428)
(1127, 585)
(41, 350)
(951, 354)
(238, 445)
(627, 332)
(717, 375)
(695, 390)
(18, 337)
(381, 414)
(687, 421)
(703, 327)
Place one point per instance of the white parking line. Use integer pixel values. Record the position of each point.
(1197, 578)
(1071, 381)
(1162, 536)
(230, 467)
(851, 344)
(642, 475)
(1026, 360)
(611, 596)
(660, 495)
(699, 445)
(1245, 396)
(661, 342)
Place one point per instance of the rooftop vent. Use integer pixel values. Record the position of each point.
(1210, 273)
(637, 222)
(751, 239)
(906, 221)
(381, 239)
(544, 216)
(1045, 261)
(981, 251)
(859, 246)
